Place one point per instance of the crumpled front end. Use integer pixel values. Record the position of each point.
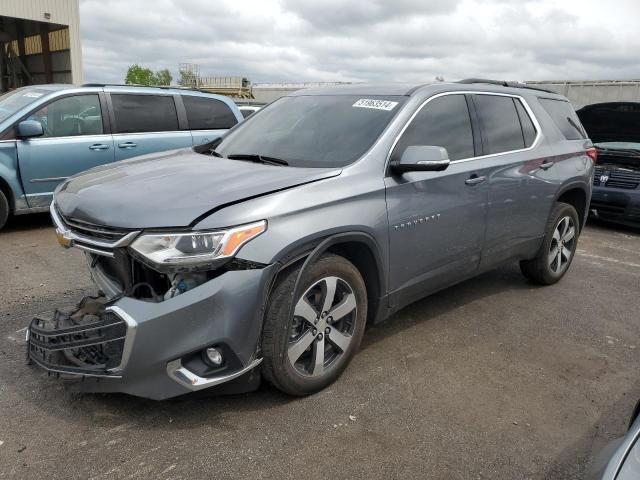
(153, 334)
(92, 340)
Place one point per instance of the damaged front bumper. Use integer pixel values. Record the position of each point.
(156, 350)
(151, 346)
(93, 340)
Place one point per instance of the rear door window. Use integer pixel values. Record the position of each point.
(144, 113)
(564, 116)
(500, 124)
(443, 122)
(208, 113)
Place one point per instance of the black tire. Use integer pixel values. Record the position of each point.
(542, 269)
(282, 332)
(4, 210)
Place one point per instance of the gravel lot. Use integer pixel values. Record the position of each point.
(491, 379)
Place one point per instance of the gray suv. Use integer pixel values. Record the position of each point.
(266, 253)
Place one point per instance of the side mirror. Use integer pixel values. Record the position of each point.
(29, 129)
(422, 158)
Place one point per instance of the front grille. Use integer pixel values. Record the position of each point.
(617, 177)
(87, 341)
(90, 237)
(90, 230)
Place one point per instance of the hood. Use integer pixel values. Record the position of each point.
(172, 189)
(611, 122)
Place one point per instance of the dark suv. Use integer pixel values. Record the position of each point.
(328, 209)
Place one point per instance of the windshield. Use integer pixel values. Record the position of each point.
(619, 145)
(13, 101)
(313, 131)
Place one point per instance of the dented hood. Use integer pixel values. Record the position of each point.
(172, 189)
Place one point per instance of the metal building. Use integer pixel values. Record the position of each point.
(39, 42)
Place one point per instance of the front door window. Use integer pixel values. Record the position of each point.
(71, 116)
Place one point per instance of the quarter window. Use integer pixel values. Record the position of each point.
(144, 113)
(208, 113)
(528, 130)
(500, 124)
(442, 122)
(564, 116)
(71, 116)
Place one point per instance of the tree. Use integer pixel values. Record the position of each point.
(144, 76)
(163, 77)
(139, 75)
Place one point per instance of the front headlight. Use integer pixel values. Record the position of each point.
(194, 249)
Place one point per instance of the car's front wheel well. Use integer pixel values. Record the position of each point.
(361, 255)
(577, 198)
(8, 193)
(364, 260)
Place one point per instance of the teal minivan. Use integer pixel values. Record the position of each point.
(51, 132)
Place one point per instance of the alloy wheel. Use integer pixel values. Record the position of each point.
(323, 324)
(562, 245)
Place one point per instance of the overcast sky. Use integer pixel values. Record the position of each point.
(364, 40)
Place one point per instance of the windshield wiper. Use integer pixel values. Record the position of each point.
(213, 152)
(255, 157)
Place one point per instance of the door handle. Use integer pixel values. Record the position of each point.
(547, 164)
(475, 180)
(99, 146)
(127, 145)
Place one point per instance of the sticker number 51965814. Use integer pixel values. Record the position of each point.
(375, 104)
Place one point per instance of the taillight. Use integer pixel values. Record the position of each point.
(592, 153)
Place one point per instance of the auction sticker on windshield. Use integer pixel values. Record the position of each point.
(376, 104)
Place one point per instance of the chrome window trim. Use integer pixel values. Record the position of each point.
(39, 139)
(150, 133)
(525, 104)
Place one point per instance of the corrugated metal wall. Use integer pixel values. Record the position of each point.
(63, 12)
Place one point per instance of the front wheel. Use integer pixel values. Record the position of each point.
(308, 351)
(4, 210)
(558, 247)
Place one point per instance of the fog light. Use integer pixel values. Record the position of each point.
(214, 356)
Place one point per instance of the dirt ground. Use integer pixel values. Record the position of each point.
(492, 379)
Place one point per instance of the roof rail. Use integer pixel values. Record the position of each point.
(164, 87)
(503, 83)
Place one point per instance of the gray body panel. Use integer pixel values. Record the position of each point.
(425, 230)
(620, 459)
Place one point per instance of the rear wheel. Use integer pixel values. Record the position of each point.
(4, 209)
(308, 351)
(558, 247)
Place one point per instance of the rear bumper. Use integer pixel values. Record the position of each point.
(160, 352)
(616, 205)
